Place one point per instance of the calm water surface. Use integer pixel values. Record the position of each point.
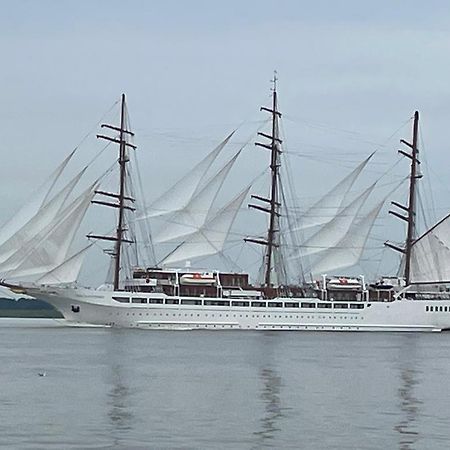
(136, 389)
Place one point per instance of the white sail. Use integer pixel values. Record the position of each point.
(350, 248)
(332, 232)
(211, 238)
(34, 204)
(430, 254)
(39, 221)
(50, 247)
(178, 196)
(327, 207)
(67, 272)
(194, 215)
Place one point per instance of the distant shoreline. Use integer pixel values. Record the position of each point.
(24, 308)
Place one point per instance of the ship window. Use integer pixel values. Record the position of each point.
(427, 308)
(445, 308)
(240, 303)
(122, 299)
(308, 305)
(138, 300)
(191, 302)
(216, 303)
(291, 304)
(341, 305)
(440, 308)
(324, 305)
(259, 304)
(172, 301)
(155, 300)
(356, 306)
(275, 305)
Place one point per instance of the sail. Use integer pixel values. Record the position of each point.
(350, 248)
(430, 254)
(67, 272)
(39, 221)
(34, 204)
(194, 215)
(50, 247)
(211, 238)
(178, 196)
(332, 232)
(327, 207)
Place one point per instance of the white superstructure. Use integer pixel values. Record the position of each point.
(159, 311)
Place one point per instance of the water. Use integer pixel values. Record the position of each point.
(135, 389)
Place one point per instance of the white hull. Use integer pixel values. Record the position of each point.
(99, 308)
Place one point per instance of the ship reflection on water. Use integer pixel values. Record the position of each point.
(409, 405)
(118, 395)
(119, 414)
(273, 412)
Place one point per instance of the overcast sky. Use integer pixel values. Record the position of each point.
(350, 74)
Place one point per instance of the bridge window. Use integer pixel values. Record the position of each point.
(324, 305)
(308, 305)
(172, 301)
(291, 304)
(191, 302)
(239, 303)
(356, 306)
(259, 304)
(138, 300)
(216, 303)
(275, 305)
(341, 305)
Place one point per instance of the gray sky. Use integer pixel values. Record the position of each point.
(351, 73)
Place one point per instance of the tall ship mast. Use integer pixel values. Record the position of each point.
(37, 255)
(410, 209)
(272, 243)
(122, 201)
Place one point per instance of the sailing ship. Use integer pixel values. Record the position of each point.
(36, 258)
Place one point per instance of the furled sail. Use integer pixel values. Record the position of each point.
(34, 204)
(350, 248)
(45, 216)
(68, 271)
(327, 207)
(211, 238)
(332, 232)
(178, 196)
(430, 254)
(194, 215)
(49, 248)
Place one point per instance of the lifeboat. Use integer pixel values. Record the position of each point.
(196, 278)
(344, 283)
